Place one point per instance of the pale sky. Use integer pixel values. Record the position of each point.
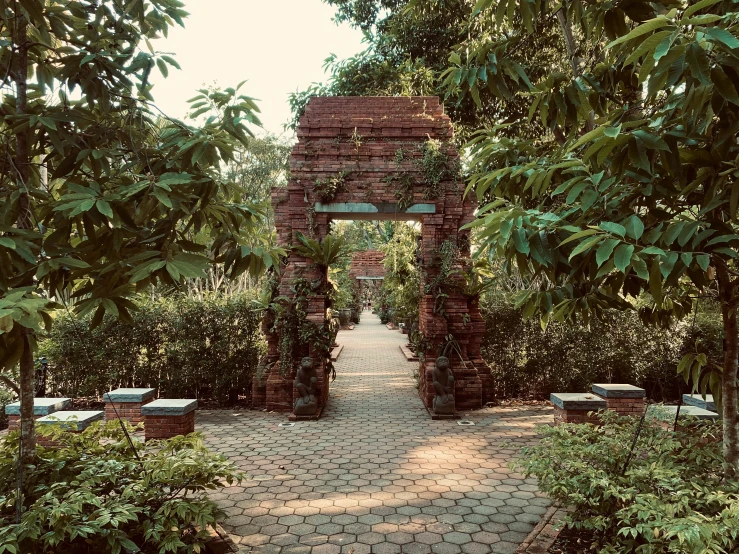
(277, 46)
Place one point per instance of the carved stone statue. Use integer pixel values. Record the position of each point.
(444, 384)
(305, 383)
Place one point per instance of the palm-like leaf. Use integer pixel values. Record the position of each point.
(324, 253)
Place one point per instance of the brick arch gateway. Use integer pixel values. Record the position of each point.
(378, 158)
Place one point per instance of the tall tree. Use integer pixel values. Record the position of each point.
(408, 51)
(101, 195)
(632, 191)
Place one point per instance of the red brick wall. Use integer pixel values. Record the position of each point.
(130, 411)
(626, 406)
(166, 427)
(367, 264)
(574, 416)
(360, 137)
(14, 422)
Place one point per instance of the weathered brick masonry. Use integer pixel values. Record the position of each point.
(359, 138)
(367, 264)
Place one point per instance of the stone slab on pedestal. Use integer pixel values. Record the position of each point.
(694, 411)
(130, 395)
(170, 407)
(574, 407)
(126, 403)
(624, 399)
(699, 401)
(41, 406)
(577, 401)
(73, 420)
(618, 390)
(169, 417)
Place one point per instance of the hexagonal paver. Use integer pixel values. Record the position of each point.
(455, 537)
(370, 538)
(376, 475)
(274, 529)
(342, 538)
(385, 548)
(301, 529)
(475, 548)
(428, 538)
(399, 538)
(290, 520)
(445, 548)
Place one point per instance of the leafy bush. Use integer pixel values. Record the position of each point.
(182, 346)
(6, 397)
(530, 362)
(94, 495)
(672, 498)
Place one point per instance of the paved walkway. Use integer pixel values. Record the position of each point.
(376, 474)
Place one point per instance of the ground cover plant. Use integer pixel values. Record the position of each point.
(668, 494)
(101, 493)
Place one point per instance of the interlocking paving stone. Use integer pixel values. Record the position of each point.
(375, 474)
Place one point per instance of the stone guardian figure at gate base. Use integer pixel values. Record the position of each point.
(305, 383)
(444, 386)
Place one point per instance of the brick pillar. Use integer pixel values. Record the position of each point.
(576, 407)
(126, 403)
(622, 398)
(72, 421)
(41, 407)
(166, 418)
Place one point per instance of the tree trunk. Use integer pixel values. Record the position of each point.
(21, 162)
(28, 423)
(729, 388)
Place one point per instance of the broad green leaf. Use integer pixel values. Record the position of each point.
(703, 260)
(622, 257)
(643, 29)
(104, 208)
(698, 6)
(521, 241)
(634, 227)
(578, 235)
(723, 36)
(614, 228)
(585, 246)
(724, 85)
(605, 250)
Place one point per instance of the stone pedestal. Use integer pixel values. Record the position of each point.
(706, 403)
(41, 407)
(126, 404)
(573, 407)
(622, 398)
(684, 423)
(691, 411)
(73, 421)
(166, 418)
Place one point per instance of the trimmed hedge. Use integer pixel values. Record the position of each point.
(528, 362)
(181, 346)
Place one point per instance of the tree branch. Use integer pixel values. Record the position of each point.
(10, 384)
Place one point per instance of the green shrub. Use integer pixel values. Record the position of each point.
(6, 397)
(530, 362)
(181, 346)
(672, 498)
(93, 495)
